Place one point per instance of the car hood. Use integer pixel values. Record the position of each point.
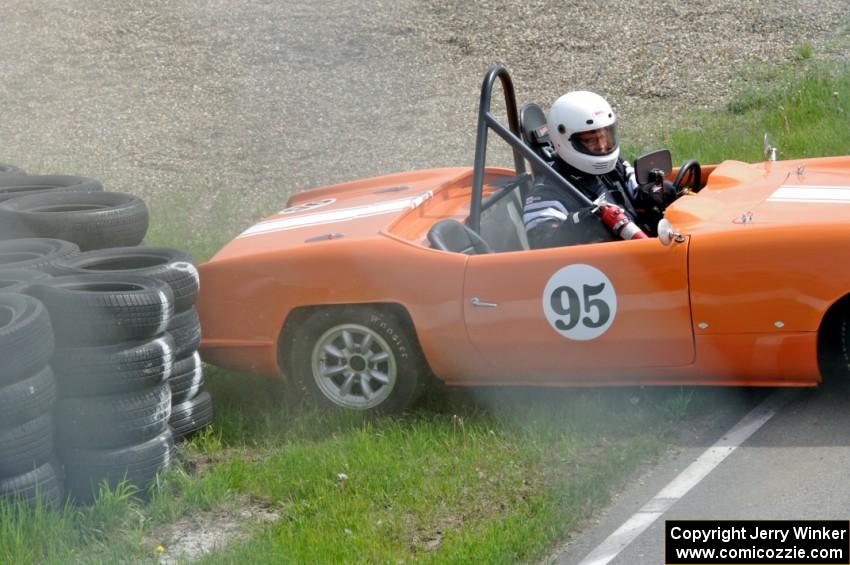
(799, 192)
(350, 210)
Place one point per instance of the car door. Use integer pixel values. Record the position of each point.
(607, 310)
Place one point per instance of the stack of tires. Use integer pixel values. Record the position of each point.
(70, 208)
(27, 393)
(120, 348)
(191, 403)
(34, 255)
(111, 361)
(27, 384)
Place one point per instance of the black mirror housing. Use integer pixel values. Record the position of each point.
(654, 160)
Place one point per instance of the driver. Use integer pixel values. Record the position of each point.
(583, 129)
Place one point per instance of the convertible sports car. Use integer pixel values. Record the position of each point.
(359, 292)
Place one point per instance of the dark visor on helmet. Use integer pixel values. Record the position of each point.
(596, 142)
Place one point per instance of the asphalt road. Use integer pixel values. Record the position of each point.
(792, 468)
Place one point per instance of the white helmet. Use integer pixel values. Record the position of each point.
(582, 127)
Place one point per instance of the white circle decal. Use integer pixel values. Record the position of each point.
(580, 302)
(308, 206)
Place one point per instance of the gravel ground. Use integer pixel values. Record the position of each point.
(244, 101)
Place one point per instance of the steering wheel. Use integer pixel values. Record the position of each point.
(694, 180)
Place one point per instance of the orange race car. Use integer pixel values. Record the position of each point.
(360, 291)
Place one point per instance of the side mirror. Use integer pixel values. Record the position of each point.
(660, 160)
(666, 233)
(769, 150)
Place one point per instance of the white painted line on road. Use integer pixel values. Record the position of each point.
(687, 479)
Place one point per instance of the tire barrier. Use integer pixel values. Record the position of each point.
(40, 254)
(114, 420)
(187, 379)
(110, 369)
(13, 184)
(101, 309)
(185, 328)
(26, 446)
(27, 397)
(99, 368)
(112, 364)
(45, 482)
(14, 280)
(88, 468)
(26, 338)
(171, 266)
(191, 408)
(176, 269)
(191, 415)
(92, 220)
(192, 405)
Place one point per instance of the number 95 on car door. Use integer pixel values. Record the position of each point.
(559, 312)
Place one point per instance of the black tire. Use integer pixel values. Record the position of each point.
(171, 266)
(11, 170)
(92, 220)
(27, 398)
(190, 416)
(45, 482)
(113, 420)
(34, 253)
(26, 446)
(103, 309)
(87, 469)
(186, 379)
(185, 328)
(400, 361)
(834, 348)
(110, 369)
(15, 280)
(21, 184)
(26, 338)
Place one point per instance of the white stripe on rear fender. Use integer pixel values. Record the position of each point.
(334, 216)
(825, 194)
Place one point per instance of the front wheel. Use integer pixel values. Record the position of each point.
(358, 358)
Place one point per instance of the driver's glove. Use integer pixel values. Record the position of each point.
(582, 215)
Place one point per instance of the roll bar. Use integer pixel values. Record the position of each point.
(512, 137)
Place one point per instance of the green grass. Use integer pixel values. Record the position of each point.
(804, 51)
(482, 476)
(38, 534)
(499, 477)
(494, 476)
(804, 108)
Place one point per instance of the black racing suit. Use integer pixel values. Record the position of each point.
(553, 217)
